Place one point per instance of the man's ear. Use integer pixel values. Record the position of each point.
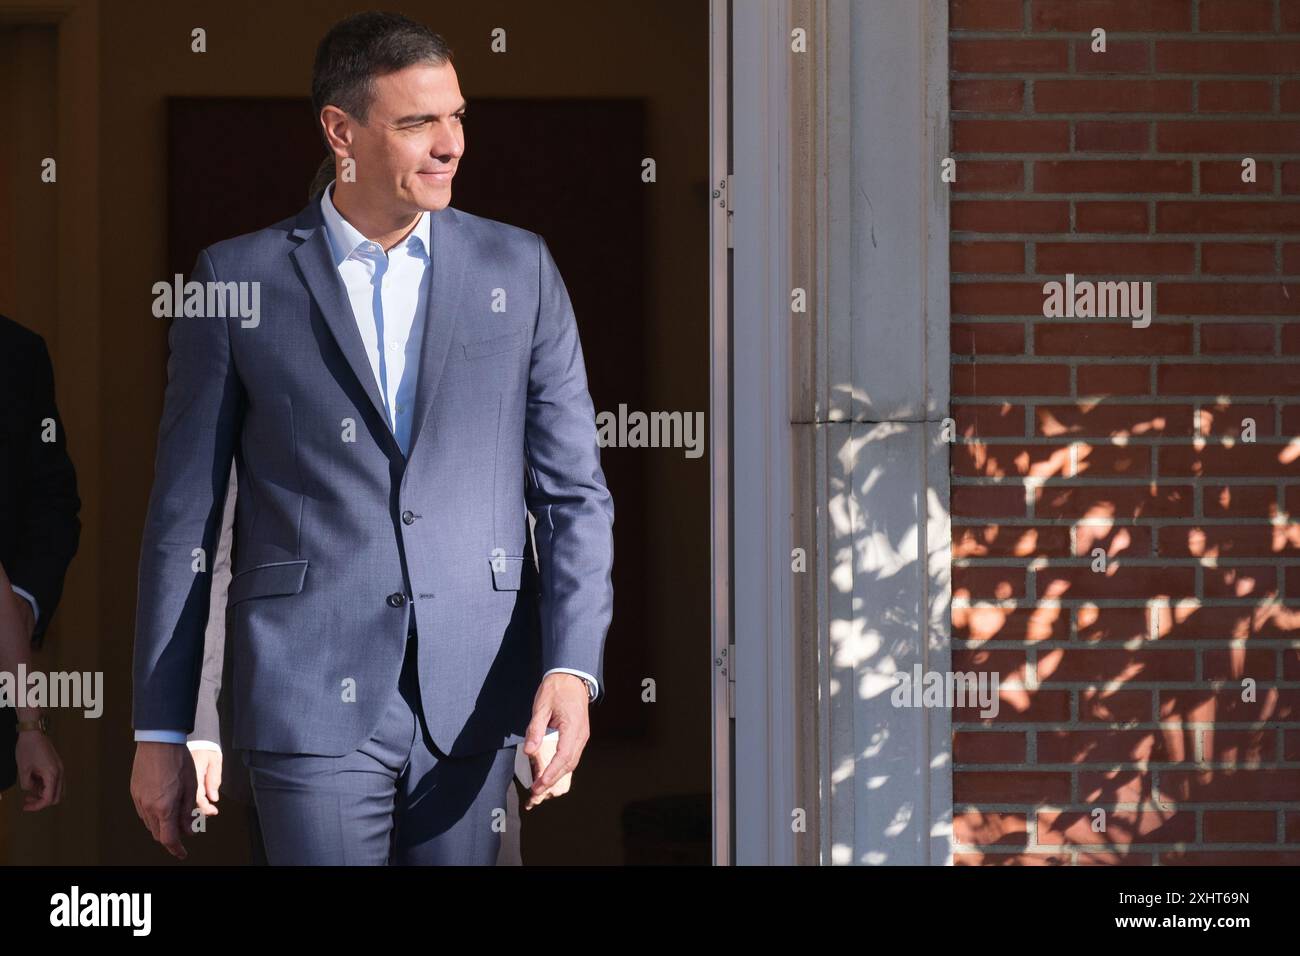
(336, 126)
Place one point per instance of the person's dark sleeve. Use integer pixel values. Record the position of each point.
(49, 529)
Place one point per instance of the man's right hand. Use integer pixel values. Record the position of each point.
(163, 786)
(207, 768)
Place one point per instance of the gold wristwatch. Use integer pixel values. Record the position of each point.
(41, 723)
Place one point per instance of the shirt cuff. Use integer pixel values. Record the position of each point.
(203, 745)
(36, 608)
(161, 736)
(593, 688)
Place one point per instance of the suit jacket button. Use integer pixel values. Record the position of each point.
(396, 600)
(408, 517)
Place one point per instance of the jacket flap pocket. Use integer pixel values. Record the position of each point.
(265, 580)
(500, 343)
(506, 572)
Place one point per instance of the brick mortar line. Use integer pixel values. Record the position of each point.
(1132, 116)
(1075, 806)
(1183, 318)
(1119, 685)
(1289, 199)
(1049, 563)
(1112, 766)
(1088, 481)
(1122, 76)
(1048, 644)
(1186, 37)
(1086, 361)
(1120, 604)
(998, 441)
(1116, 684)
(1105, 155)
(1104, 726)
(1168, 278)
(1120, 849)
(1119, 237)
(1165, 403)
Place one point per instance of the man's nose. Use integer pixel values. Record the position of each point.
(448, 144)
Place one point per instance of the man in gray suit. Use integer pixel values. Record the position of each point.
(212, 715)
(401, 384)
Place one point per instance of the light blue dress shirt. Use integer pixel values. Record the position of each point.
(26, 596)
(389, 295)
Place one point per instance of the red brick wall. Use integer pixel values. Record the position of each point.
(1082, 433)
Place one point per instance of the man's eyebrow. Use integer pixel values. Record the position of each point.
(421, 117)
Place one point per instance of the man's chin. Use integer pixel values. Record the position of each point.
(431, 200)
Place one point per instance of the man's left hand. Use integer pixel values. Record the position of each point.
(561, 702)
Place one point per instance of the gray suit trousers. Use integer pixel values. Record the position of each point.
(395, 800)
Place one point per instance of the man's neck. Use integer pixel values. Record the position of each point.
(384, 231)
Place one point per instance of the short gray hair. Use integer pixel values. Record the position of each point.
(365, 46)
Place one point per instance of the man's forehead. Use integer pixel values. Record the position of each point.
(397, 95)
(421, 77)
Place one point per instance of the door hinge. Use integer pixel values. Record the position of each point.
(728, 189)
(729, 671)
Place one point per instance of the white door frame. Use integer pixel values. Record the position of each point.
(841, 146)
(720, 428)
(761, 443)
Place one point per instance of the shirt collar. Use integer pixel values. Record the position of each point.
(344, 237)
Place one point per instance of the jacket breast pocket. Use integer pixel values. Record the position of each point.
(495, 345)
(267, 580)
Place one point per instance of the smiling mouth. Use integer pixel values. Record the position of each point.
(441, 174)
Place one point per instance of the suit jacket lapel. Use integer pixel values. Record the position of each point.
(316, 262)
(447, 264)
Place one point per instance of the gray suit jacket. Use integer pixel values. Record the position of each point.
(342, 543)
(212, 715)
